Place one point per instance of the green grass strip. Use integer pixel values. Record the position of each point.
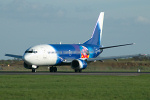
(65, 87)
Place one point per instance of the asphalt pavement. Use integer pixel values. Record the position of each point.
(73, 73)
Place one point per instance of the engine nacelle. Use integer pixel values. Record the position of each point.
(79, 64)
(30, 66)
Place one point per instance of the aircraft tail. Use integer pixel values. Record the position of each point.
(97, 33)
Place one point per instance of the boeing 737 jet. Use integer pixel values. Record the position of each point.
(75, 55)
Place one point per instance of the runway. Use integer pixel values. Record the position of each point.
(73, 73)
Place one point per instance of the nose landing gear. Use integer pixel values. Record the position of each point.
(33, 70)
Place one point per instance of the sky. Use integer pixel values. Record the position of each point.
(25, 23)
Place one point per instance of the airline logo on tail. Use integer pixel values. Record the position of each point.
(84, 52)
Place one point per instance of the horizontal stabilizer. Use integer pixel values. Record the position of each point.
(116, 46)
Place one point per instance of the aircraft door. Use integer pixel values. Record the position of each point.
(44, 53)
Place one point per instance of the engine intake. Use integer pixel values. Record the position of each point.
(79, 64)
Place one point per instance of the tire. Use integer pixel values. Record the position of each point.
(33, 70)
(80, 70)
(76, 70)
(55, 69)
(51, 69)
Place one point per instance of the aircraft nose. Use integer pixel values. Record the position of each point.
(27, 58)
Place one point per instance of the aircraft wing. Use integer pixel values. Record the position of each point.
(12, 55)
(112, 57)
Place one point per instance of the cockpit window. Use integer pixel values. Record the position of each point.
(30, 51)
(34, 51)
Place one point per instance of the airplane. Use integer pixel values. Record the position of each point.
(75, 55)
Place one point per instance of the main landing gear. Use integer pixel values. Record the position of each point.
(78, 70)
(53, 69)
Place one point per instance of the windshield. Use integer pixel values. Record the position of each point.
(30, 51)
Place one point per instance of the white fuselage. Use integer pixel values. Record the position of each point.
(40, 55)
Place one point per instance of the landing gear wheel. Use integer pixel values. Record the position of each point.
(33, 70)
(53, 69)
(78, 70)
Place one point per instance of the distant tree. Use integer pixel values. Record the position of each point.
(141, 58)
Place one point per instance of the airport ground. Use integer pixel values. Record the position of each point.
(76, 87)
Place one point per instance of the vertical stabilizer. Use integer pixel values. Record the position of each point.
(97, 33)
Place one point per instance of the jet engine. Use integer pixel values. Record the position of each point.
(79, 64)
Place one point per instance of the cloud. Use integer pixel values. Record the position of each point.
(141, 19)
(24, 10)
(47, 10)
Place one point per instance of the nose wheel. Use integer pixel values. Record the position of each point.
(53, 69)
(33, 70)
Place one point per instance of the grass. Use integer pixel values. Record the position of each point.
(69, 87)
